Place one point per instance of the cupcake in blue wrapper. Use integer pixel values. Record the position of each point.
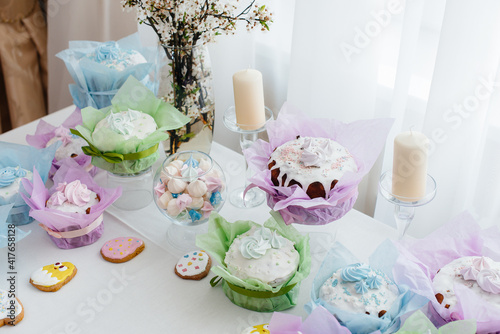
(17, 162)
(364, 297)
(8, 235)
(100, 69)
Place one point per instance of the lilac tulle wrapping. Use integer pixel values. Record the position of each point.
(421, 259)
(364, 139)
(63, 221)
(320, 321)
(45, 132)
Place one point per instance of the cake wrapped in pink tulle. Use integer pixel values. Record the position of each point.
(47, 134)
(71, 212)
(364, 140)
(420, 261)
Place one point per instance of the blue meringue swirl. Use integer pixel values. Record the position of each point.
(374, 281)
(9, 174)
(253, 247)
(361, 287)
(355, 272)
(108, 50)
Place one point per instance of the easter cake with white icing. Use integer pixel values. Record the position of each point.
(111, 55)
(480, 274)
(73, 197)
(358, 288)
(314, 164)
(263, 255)
(128, 124)
(10, 181)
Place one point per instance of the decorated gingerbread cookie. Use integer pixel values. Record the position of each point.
(193, 265)
(52, 277)
(11, 309)
(258, 329)
(121, 249)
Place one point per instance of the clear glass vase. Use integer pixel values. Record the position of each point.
(186, 83)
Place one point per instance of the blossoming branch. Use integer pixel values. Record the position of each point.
(187, 22)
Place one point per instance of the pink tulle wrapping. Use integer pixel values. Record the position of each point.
(364, 139)
(320, 321)
(63, 221)
(45, 132)
(421, 259)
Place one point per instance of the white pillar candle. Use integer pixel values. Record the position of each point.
(249, 99)
(409, 172)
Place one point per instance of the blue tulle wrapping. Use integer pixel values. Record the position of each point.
(96, 84)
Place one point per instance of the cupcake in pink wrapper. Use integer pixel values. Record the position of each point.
(328, 157)
(71, 146)
(72, 210)
(457, 268)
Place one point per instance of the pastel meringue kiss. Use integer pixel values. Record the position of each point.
(197, 188)
(176, 186)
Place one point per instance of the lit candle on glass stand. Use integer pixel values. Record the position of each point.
(249, 99)
(409, 172)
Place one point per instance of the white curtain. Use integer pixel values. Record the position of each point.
(432, 66)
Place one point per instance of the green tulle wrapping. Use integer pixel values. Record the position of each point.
(220, 236)
(132, 95)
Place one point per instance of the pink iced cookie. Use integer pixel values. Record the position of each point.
(193, 265)
(121, 249)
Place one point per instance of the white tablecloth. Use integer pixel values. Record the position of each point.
(144, 294)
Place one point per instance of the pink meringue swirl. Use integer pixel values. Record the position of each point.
(469, 273)
(63, 134)
(57, 198)
(489, 281)
(481, 263)
(77, 193)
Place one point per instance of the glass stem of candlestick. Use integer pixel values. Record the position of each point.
(246, 140)
(404, 216)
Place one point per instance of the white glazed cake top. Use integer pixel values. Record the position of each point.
(358, 288)
(5, 304)
(262, 255)
(111, 55)
(129, 123)
(10, 181)
(308, 160)
(73, 197)
(478, 273)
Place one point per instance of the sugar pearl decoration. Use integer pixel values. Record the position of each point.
(176, 186)
(197, 188)
(197, 203)
(173, 209)
(164, 200)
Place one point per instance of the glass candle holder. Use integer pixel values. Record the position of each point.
(136, 189)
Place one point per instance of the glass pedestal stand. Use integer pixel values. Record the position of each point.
(404, 208)
(136, 189)
(253, 197)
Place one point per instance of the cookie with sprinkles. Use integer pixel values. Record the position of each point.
(122, 249)
(193, 265)
(11, 310)
(52, 277)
